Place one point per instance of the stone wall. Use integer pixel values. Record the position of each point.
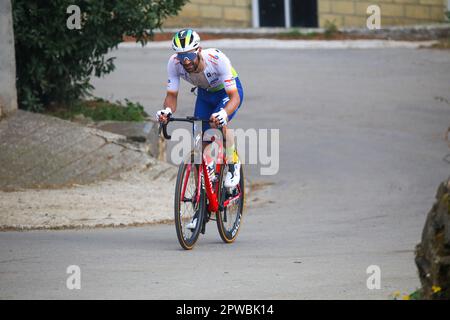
(55, 153)
(213, 13)
(8, 96)
(352, 13)
(348, 13)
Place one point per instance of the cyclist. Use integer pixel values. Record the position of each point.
(220, 92)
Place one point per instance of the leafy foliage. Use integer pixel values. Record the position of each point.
(330, 28)
(100, 110)
(54, 63)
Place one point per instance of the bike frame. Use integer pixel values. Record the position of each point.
(211, 193)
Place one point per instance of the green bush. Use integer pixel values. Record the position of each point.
(297, 34)
(101, 110)
(54, 63)
(330, 28)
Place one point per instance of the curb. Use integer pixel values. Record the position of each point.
(289, 44)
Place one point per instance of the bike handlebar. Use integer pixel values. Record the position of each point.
(163, 126)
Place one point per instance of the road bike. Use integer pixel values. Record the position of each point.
(200, 195)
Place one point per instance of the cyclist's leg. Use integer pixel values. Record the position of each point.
(204, 108)
(231, 154)
(208, 103)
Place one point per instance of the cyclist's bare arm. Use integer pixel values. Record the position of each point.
(171, 100)
(234, 102)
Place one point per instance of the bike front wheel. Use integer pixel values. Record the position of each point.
(189, 206)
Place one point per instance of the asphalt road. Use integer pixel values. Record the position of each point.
(361, 156)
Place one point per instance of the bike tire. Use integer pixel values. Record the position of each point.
(188, 243)
(229, 235)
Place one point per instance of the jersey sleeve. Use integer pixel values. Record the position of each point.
(227, 76)
(173, 82)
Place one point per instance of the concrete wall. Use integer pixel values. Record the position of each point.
(349, 13)
(8, 96)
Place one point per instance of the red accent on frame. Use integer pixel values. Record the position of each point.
(227, 202)
(213, 205)
(186, 179)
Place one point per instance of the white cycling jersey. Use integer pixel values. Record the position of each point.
(218, 73)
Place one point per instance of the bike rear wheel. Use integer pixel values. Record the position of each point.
(229, 219)
(189, 208)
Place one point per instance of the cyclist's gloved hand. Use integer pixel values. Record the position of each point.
(221, 117)
(163, 114)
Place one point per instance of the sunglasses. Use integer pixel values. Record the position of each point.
(187, 55)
